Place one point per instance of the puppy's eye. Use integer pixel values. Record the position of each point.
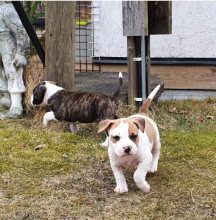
(117, 138)
(133, 137)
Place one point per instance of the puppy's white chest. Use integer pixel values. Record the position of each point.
(128, 161)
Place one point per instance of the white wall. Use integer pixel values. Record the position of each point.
(109, 39)
(193, 31)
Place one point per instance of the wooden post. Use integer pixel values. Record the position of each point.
(135, 23)
(135, 18)
(132, 70)
(142, 18)
(60, 42)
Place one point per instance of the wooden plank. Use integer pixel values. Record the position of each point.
(162, 20)
(113, 68)
(132, 70)
(60, 42)
(186, 77)
(135, 18)
(177, 77)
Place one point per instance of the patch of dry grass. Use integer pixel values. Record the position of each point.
(71, 177)
(33, 74)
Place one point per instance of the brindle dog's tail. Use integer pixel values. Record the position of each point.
(117, 92)
(146, 104)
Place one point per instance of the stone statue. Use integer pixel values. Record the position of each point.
(14, 44)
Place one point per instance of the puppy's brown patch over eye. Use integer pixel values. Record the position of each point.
(115, 138)
(133, 137)
(133, 131)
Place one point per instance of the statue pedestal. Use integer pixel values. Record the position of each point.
(16, 108)
(5, 100)
(12, 101)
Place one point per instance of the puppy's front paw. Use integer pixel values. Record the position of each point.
(45, 123)
(121, 189)
(153, 167)
(146, 188)
(105, 143)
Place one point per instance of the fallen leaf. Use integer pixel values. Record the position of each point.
(190, 124)
(183, 112)
(209, 117)
(172, 110)
(22, 145)
(34, 135)
(73, 197)
(62, 169)
(40, 146)
(200, 121)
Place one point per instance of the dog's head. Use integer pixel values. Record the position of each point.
(123, 134)
(39, 92)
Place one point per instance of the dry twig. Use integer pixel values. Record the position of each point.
(192, 195)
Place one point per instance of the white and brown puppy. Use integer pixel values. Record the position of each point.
(133, 142)
(75, 107)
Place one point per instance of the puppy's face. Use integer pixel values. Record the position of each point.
(123, 134)
(39, 92)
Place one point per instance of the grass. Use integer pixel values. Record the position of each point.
(71, 177)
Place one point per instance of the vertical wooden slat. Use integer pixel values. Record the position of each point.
(60, 42)
(148, 72)
(132, 70)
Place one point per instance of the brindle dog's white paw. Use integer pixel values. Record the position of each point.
(121, 189)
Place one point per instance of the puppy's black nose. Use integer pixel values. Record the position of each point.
(127, 149)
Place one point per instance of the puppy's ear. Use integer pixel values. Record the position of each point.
(139, 122)
(105, 125)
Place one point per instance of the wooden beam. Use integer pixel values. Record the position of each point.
(135, 18)
(60, 42)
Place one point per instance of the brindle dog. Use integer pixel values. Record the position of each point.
(74, 107)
